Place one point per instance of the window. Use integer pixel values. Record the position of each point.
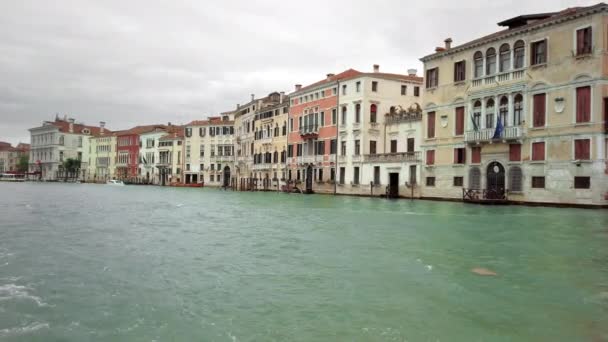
(514, 152)
(519, 54)
(584, 44)
(202, 150)
(515, 179)
(356, 175)
(539, 52)
(582, 149)
(394, 146)
(376, 175)
(343, 148)
(322, 119)
(344, 89)
(357, 113)
(358, 86)
(459, 155)
(538, 119)
(334, 116)
(342, 175)
(430, 181)
(583, 104)
(458, 181)
(518, 107)
(459, 71)
(188, 132)
(320, 175)
(187, 167)
(416, 91)
(538, 151)
(332, 146)
(459, 117)
(374, 86)
(478, 61)
(475, 178)
(202, 131)
(476, 155)
(504, 58)
(410, 145)
(372, 147)
(538, 182)
(432, 78)
(332, 174)
(413, 174)
(373, 111)
(582, 182)
(490, 113)
(490, 61)
(503, 111)
(403, 90)
(430, 126)
(344, 115)
(430, 157)
(357, 147)
(477, 115)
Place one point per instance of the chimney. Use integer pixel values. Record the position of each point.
(330, 76)
(71, 127)
(376, 68)
(412, 72)
(169, 123)
(102, 126)
(448, 43)
(298, 87)
(282, 97)
(238, 106)
(252, 97)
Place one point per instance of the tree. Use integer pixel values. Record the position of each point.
(71, 166)
(23, 163)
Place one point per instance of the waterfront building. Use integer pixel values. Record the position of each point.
(244, 124)
(379, 133)
(170, 157)
(102, 155)
(209, 151)
(149, 152)
(56, 141)
(270, 143)
(127, 151)
(520, 115)
(10, 155)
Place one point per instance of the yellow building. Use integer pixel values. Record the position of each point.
(102, 156)
(520, 115)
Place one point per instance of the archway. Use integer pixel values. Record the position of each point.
(226, 177)
(309, 179)
(495, 175)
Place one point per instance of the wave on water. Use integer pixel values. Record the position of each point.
(13, 291)
(16, 331)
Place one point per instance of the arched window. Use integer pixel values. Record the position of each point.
(284, 129)
(477, 115)
(61, 140)
(373, 110)
(518, 54)
(490, 61)
(474, 178)
(276, 157)
(490, 113)
(478, 57)
(503, 111)
(276, 130)
(515, 179)
(518, 108)
(505, 58)
(357, 113)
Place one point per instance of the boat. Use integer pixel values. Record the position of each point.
(12, 177)
(191, 185)
(115, 182)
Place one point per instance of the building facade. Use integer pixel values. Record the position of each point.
(102, 156)
(128, 147)
(520, 115)
(10, 156)
(170, 159)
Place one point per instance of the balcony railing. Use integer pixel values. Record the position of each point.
(397, 118)
(308, 159)
(309, 130)
(485, 195)
(412, 157)
(502, 77)
(487, 135)
(263, 166)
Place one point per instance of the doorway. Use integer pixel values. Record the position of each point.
(226, 177)
(309, 179)
(495, 175)
(393, 185)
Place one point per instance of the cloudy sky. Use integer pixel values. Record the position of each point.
(140, 62)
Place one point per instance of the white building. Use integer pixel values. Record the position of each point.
(149, 154)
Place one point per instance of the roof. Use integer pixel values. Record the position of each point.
(331, 79)
(64, 127)
(537, 21)
(137, 130)
(21, 147)
(212, 120)
(179, 135)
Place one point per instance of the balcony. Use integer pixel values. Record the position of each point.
(319, 159)
(309, 130)
(308, 159)
(497, 79)
(261, 167)
(399, 157)
(357, 158)
(403, 117)
(487, 135)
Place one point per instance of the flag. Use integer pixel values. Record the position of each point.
(475, 128)
(499, 129)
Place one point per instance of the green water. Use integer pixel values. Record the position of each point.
(102, 263)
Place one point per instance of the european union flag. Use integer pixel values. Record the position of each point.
(499, 129)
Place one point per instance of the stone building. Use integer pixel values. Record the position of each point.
(520, 115)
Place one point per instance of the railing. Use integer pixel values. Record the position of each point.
(263, 166)
(309, 130)
(476, 83)
(357, 158)
(487, 135)
(481, 195)
(308, 159)
(489, 80)
(319, 158)
(502, 77)
(397, 118)
(413, 157)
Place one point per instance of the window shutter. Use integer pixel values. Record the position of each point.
(580, 42)
(455, 156)
(476, 155)
(430, 157)
(459, 120)
(431, 125)
(539, 110)
(538, 151)
(514, 152)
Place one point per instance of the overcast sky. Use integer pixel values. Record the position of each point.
(141, 62)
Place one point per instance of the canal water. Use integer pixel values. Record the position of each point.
(102, 263)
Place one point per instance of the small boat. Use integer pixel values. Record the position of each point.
(12, 177)
(115, 182)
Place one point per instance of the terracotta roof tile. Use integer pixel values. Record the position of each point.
(64, 127)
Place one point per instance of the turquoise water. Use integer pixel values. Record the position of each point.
(102, 263)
